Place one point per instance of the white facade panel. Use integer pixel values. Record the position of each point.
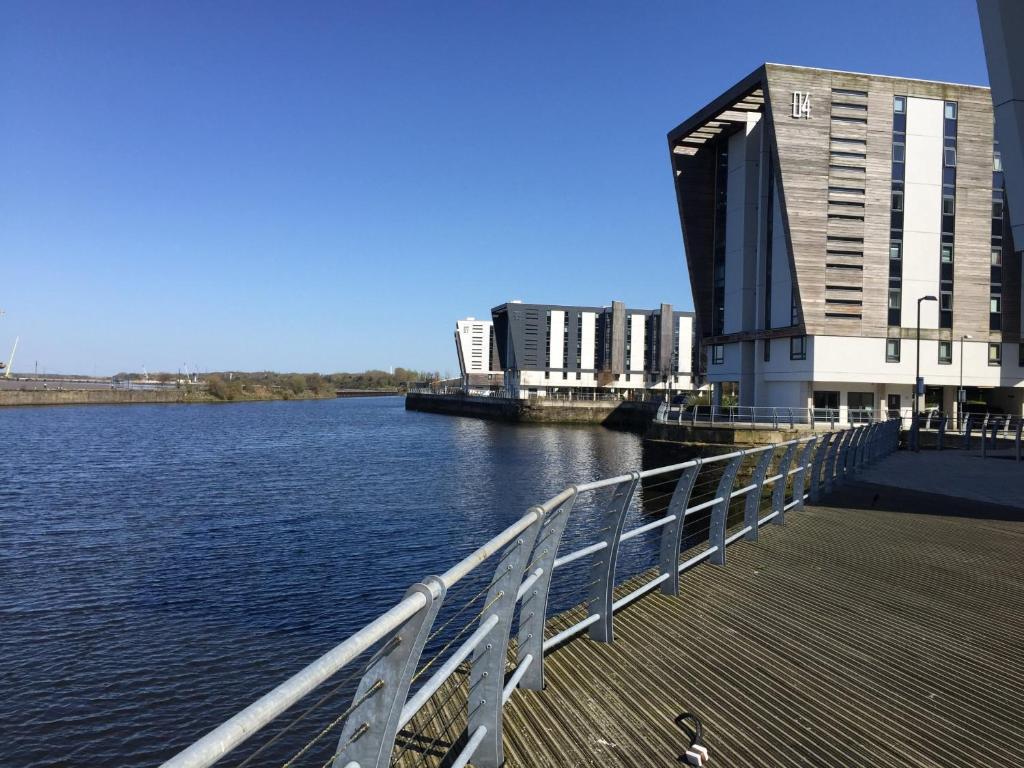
(474, 340)
(685, 351)
(922, 205)
(557, 340)
(637, 342)
(856, 359)
(735, 193)
(587, 338)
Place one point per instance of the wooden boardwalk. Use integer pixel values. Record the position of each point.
(862, 633)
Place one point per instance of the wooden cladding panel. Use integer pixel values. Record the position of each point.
(877, 198)
(972, 259)
(848, 173)
(842, 130)
(807, 154)
(802, 147)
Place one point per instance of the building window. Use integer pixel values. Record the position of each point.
(997, 209)
(995, 304)
(997, 257)
(892, 350)
(995, 354)
(894, 298)
(947, 253)
(798, 348)
(951, 110)
(946, 300)
(945, 352)
(948, 205)
(899, 153)
(997, 162)
(897, 200)
(899, 105)
(949, 157)
(895, 250)
(767, 350)
(717, 354)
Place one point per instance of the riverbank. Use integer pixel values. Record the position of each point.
(137, 396)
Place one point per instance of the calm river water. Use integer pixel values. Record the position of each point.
(161, 566)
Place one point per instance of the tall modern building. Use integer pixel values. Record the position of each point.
(1002, 29)
(478, 353)
(817, 208)
(550, 349)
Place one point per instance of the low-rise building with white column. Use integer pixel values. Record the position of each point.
(547, 349)
(477, 353)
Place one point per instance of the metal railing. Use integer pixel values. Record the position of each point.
(696, 509)
(764, 416)
(990, 427)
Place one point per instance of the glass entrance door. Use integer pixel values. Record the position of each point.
(893, 406)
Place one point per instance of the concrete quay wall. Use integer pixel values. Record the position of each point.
(624, 414)
(91, 396)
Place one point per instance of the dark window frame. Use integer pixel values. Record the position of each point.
(797, 347)
(946, 359)
(890, 356)
(998, 359)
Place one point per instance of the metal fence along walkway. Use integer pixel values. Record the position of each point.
(427, 682)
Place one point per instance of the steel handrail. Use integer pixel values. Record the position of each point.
(816, 465)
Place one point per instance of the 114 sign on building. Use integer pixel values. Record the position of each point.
(802, 105)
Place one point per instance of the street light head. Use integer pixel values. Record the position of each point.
(966, 336)
(928, 298)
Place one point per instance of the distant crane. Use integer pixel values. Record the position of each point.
(10, 362)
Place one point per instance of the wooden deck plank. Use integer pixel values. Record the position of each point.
(849, 636)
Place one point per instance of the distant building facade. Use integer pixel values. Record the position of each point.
(547, 349)
(478, 353)
(817, 207)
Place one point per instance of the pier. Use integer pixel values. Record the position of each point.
(809, 604)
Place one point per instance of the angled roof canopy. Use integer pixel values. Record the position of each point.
(731, 107)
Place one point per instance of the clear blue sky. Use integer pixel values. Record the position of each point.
(328, 186)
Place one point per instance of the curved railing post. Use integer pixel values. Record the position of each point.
(533, 611)
(859, 444)
(814, 488)
(672, 536)
(752, 504)
(720, 511)
(779, 489)
(487, 668)
(602, 568)
(800, 478)
(833, 467)
(850, 459)
(871, 447)
(368, 736)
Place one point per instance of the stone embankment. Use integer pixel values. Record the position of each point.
(12, 397)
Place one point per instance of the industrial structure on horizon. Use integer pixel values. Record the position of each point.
(822, 213)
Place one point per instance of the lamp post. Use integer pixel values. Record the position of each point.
(960, 399)
(917, 371)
